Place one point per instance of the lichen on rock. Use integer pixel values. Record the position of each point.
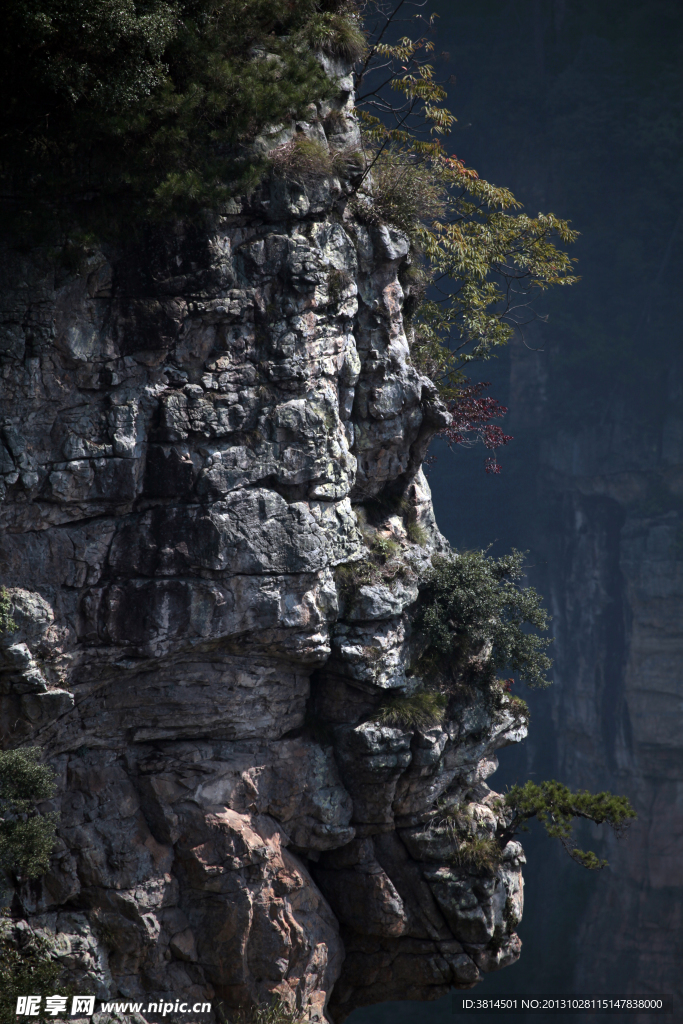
(191, 429)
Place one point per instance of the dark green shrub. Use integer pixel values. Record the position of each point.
(26, 968)
(26, 837)
(472, 617)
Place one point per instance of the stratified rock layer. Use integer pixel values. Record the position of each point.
(189, 430)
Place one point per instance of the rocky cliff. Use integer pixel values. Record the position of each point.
(198, 429)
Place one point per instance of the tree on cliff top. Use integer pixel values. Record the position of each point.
(151, 101)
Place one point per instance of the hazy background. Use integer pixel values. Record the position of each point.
(577, 106)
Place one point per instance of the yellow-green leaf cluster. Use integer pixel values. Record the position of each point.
(485, 259)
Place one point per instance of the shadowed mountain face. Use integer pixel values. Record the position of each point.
(577, 108)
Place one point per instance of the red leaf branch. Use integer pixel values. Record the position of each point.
(471, 416)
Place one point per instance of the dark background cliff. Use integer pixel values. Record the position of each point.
(577, 107)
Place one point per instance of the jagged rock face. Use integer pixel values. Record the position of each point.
(190, 428)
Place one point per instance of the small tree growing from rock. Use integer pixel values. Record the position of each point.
(556, 807)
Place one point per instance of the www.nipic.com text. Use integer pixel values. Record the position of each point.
(84, 1006)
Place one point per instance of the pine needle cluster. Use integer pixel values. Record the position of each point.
(556, 807)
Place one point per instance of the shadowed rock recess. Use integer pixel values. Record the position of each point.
(190, 428)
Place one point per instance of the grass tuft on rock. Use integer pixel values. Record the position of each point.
(416, 533)
(274, 1013)
(481, 853)
(338, 35)
(420, 710)
(302, 160)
